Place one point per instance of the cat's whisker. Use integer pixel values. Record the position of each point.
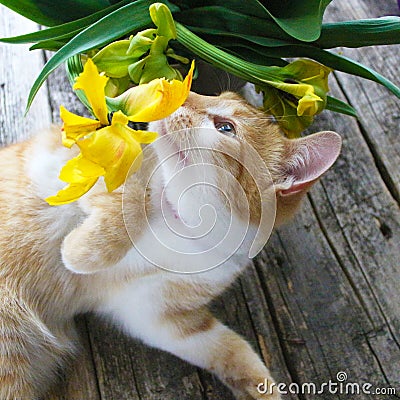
(271, 107)
(176, 136)
(228, 82)
(181, 150)
(197, 148)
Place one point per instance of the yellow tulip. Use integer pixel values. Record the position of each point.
(111, 149)
(154, 100)
(297, 94)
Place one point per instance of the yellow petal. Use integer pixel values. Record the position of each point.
(76, 127)
(115, 149)
(104, 147)
(309, 105)
(93, 84)
(129, 162)
(309, 71)
(70, 193)
(79, 170)
(119, 118)
(144, 136)
(81, 174)
(156, 99)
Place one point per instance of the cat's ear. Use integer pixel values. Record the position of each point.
(306, 159)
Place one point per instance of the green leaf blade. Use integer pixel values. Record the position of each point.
(223, 20)
(69, 28)
(359, 33)
(51, 13)
(122, 21)
(336, 105)
(300, 19)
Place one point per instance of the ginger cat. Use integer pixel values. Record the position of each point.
(56, 262)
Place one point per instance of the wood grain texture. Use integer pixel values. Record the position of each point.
(379, 109)
(79, 380)
(18, 69)
(322, 297)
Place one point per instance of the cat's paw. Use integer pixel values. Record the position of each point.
(257, 391)
(77, 256)
(257, 396)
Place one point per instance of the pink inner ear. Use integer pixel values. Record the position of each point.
(311, 156)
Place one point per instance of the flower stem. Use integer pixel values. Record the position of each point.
(248, 71)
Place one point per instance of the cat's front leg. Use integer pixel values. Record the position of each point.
(233, 360)
(199, 338)
(193, 334)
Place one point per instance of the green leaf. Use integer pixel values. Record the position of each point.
(50, 12)
(218, 37)
(249, 7)
(330, 59)
(74, 67)
(126, 19)
(223, 20)
(336, 105)
(363, 32)
(218, 57)
(256, 73)
(251, 54)
(300, 19)
(51, 45)
(70, 28)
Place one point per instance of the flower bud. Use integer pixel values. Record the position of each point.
(141, 42)
(297, 94)
(135, 70)
(114, 60)
(162, 18)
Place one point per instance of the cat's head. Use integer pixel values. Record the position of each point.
(221, 131)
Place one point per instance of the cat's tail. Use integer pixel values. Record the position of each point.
(29, 352)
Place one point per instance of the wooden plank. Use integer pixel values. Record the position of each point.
(331, 275)
(380, 110)
(127, 369)
(243, 309)
(268, 336)
(362, 222)
(18, 69)
(79, 380)
(323, 295)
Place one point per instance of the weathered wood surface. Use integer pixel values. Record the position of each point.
(322, 297)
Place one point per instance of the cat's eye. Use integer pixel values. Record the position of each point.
(225, 127)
